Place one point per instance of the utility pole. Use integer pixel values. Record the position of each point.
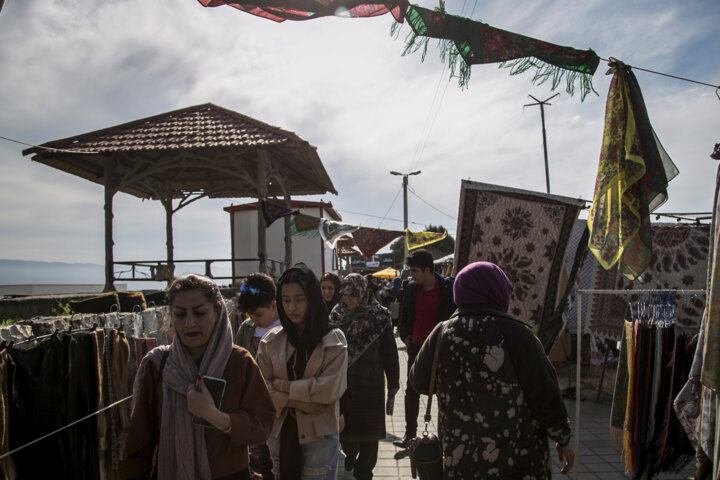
(542, 104)
(405, 211)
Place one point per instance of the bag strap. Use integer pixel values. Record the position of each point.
(163, 359)
(433, 374)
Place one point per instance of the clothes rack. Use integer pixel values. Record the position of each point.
(578, 353)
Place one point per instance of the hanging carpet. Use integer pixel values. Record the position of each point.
(272, 211)
(710, 375)
(370, 240)
(331, 231)
(526, 234)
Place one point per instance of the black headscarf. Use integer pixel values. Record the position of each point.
(316, 322)
(336, 283)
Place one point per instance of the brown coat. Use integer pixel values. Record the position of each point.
(246, 400)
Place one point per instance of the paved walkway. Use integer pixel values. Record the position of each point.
(597, 460)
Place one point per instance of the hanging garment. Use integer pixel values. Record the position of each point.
(415, 240)
(524, 233)
(282, 10)
(305, 225)
(272, 211)
(710, 374)
(633, 168)
(370, 240)
(115, 361)
(331, 231)
(477, 43)
(143, 346)
(7, 468)
(39, 406)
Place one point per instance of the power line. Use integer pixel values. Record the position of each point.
(391, 219)
(431, 206)
(389, 208)
(49, 148)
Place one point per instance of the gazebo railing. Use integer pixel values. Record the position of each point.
(159, 271)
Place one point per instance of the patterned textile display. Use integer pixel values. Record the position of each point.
(654, 364)
(476, 43)
(305, 225)
(281, 10)
(710, 374)
(331, 231)
(370, 240)
(634, 168)
(679, 262)
(415, 240)
(524, 233)
(272, 211)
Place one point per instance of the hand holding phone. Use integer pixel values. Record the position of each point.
(216, 388)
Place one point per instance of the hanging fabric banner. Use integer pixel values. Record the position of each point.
(710, 374)
(476, 43)
(632, 179)
(370, 240)
(331, 231)
(272, 211)
(415, 240)
(281, 10)
(305, 225)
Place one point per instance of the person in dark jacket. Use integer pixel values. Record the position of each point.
(498, 395)
(372, 357)
(427, 301)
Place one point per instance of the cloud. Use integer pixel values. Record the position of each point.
(76, 66)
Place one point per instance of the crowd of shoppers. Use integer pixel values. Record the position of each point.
(313, 371)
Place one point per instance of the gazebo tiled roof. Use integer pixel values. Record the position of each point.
(192, 149)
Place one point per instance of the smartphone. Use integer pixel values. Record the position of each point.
(216, 387)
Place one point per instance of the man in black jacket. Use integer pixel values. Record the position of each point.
(427, 301)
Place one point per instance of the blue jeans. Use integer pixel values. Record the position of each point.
(319, 459)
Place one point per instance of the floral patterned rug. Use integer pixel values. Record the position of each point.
(680, 256)
(526, 234)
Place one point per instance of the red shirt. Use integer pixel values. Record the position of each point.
(426, 310)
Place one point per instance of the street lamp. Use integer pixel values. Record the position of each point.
(405, 214)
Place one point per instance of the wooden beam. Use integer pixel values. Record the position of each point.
(263, 162)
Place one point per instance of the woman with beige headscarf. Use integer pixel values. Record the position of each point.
(164, 441)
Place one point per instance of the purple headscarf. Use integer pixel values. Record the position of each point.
(482, 283)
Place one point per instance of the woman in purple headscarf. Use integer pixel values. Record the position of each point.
(498, 396)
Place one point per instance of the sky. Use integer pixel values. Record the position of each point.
(72, 66)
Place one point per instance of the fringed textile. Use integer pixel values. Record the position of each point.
(281, 10)
(420, 239)
(632, 179)
(475, 42)
(370, 240)
(305, 225)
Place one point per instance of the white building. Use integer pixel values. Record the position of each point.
(310, 250)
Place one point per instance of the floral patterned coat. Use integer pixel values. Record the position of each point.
(498, 396)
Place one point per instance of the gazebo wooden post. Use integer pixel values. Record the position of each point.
(262, 168)
(108, 167)
(166, 201)
(288, 238)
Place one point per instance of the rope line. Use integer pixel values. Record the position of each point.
(64, 428)
(667, 75)
(49, 148)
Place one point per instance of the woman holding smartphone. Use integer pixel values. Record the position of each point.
(305, 367)
(177, 429)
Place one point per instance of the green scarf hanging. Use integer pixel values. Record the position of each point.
(476, 42)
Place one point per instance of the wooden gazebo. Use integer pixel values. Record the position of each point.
(188, 154)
